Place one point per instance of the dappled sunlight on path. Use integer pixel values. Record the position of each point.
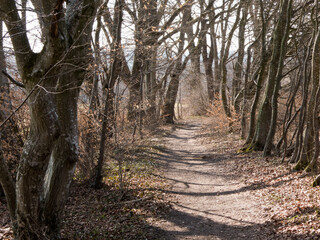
(209, 203)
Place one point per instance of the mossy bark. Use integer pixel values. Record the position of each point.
(282, 30)
(265, 111)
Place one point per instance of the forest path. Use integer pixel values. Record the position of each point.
(210, 201)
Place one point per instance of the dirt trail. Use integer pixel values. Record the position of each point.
(210, 201)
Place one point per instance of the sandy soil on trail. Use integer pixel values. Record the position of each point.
(210, 202)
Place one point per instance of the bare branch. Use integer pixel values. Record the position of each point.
(10, 16)
(15, 82)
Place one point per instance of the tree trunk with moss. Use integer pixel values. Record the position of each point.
(265, 111)
(260, 74)
(284, 30)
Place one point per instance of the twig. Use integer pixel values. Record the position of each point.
(19, 84)
(20, 106)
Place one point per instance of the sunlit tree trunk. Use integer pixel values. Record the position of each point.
(238, 69)
(309, 153)
(287, 5)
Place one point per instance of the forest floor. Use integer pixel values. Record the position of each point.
(218, 193)
(190, 182)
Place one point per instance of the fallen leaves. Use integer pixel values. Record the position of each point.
(98, 214)
(288, 201)
(293, 204)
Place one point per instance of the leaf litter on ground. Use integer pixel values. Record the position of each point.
(289, 202)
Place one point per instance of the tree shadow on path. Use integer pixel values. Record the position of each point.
(210, 202)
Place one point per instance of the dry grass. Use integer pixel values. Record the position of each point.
(219, 123)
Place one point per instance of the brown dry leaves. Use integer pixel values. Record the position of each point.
(5, 229)
(288, 200)
(287, 197)
(112, 212)
(115, 213)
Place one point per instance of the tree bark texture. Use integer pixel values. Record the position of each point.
(237, 74)
(225, 56)
(309, 140)
(265, 111)
(284, 30)
(52, 79)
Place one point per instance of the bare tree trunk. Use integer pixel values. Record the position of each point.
(10, 134)
(237, 72)
(223, 88)
(8, 187)
(5, 101)
(171, 96)
(303, 112)
(287, 5)
(243, 119)
(52, 79)
(265, 111)
(179, 66)
(108, 108)
(208, 61)
(308, 151)
(207, 57)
